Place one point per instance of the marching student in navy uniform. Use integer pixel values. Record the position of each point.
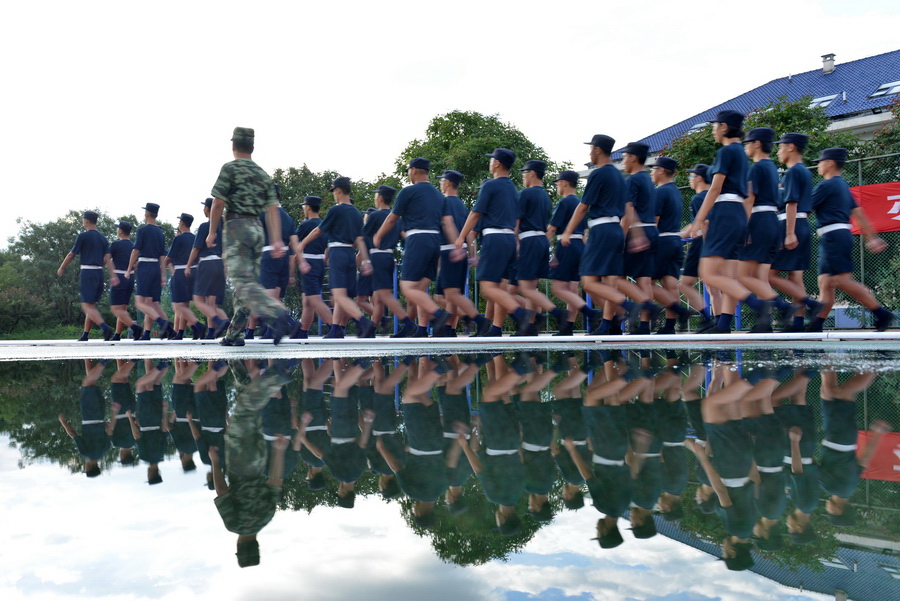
(762, 228)
(421, 207)
(669, 251)
(315, 442)
(180, 284)
(566, 261)
(146, 257)
(602, 264)
(275, 273)
(534, 255)
(209, 287)
(183, 405)
(834, 204)
(495, 215)
(725, 235)
(699, 182)
(120, 295)
(314, 255)
(122, 397)
(92, 249)
(343, 224)
(209, 419)
(794, 206)
(150, 425)
(94, 441)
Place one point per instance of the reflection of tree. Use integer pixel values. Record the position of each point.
(296, 495)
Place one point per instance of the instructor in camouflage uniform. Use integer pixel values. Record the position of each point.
(243, 191)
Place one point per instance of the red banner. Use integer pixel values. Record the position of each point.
(881, 202)
(885, 464)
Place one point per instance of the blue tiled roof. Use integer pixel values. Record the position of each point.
(857, 78)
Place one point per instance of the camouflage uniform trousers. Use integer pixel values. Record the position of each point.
(242, 252)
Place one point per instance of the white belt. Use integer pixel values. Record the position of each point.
(268, 248)
(180, 267)
(534, 448)
(210, 429)
(182, 419)
(497, 452)
(380, 432)
(576, 237)
(342, 440)
(838, 447)
(339, 245)
(121, 271)
(764, 209)
(783, 216)
(121, 416)
(311, 256)
(532, 233)
(770, 470)
(602, 220)
(147, 260)
(419, 453)
(269, 437)
(211, 258)
(605, 461)
(648, 455)
(735, 482)
(452, 246)
(832, 228)
(641, 225)
(673, 444)
(454, 435)
(669, 234)
(496, 230)
(149, 428)
(88, 422)
(376, 251)
(803, 460)
(729, 198)
(579, 443)
(316, 428)
(91, 267)
(414, 232)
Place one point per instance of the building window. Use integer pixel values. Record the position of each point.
(834, 563)
(886, 89)
(894, 571)
(698, 126)
(822, 101)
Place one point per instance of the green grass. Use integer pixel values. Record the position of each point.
(47, 332)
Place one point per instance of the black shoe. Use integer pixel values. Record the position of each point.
(665, 331)
(116, 338)
(108, 333)
(199, 331)
(706, 326)
(523, 324)
(405, 331)
(365, 327)
(440, 320)
(633, 316)
(884, 322)
(164, 330)
(565, 329)
(683, 317)
(615, 327)
(230, 342)
(282, 327)
(136, 331)
(483, 326)
(83, 337)
(761, 328)
(334, 333)
(178, 336)
(145, 337)
(716, 330)
(816, 308)
(792, 329)
(249, 334)
(813, 326)
(764, 318)
(220, 329)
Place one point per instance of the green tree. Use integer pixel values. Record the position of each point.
(460, 140)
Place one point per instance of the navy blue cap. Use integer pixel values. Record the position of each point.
(208, 203)
(187, 218)
(313, 201)
(603, 142)
(567, 176)
(91, 216)
(833, 154)
(730, 118)
(637, 148)
(420, 163)
(386, 192)
(539, 167)
(700, 170)
(666, 163)
(798, 140)
(342, 181)
(454, 177)
(151, 207)
(760, 134)
(504, 155)
(125, 226)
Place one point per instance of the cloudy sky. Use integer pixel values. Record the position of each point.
(110, 105)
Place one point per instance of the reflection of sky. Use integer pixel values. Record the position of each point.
(68, 537)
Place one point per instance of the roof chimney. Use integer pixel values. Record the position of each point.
(827, 63)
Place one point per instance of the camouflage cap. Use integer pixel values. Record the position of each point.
(243, 133)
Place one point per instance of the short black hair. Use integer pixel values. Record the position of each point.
(93, 472)
(742, 560)
(766, 147)
(839, 164)
(190, 466)
(734, 132)
(243, 146)
(344, 189)
(668, 172)
(248, 553)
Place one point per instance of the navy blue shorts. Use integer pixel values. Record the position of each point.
(796, 259)
(836, 252)
(764, 238)
(423, 426)
(839, 421)
(641, 264)
(342, 269)
(91, 403)
(691, 267)
(382, 270)
(608, 428)
(603, 253)
(311, 282)
(534, 258)
(769, 442)
(364, 285)
(498, 251)
(510, 274)
(569, 258)
(149, 282)
(452, 275)
(90, 285)
(726, 232)
(180, 287)
(669, 256)
(499, 424)
(210, 278)
(731, 446)
(275, 273)
(421, 253)
(121, 294)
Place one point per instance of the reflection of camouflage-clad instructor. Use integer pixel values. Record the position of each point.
(244, 191)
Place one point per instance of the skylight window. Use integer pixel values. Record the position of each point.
(834, 562)
(886, 89)
(894, 571)
(822, 101)
(697, 126)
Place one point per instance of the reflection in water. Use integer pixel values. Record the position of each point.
(760, 457)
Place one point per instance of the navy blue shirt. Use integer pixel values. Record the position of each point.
(421, 206)
(373, 224)
(498, 204)
(731, 161)
(200, 241)
(697, 202)
(668, 207)
(120, 251)
(796, 186)
(150, 241)
(832, 201)
(91, 245)
(454, 207)
(764, 177)
(534, 209)
(604, 193)
(287, 228)
(342, 223)
(317, 246)
(565, 208)
(180, 250)
(641, 196)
